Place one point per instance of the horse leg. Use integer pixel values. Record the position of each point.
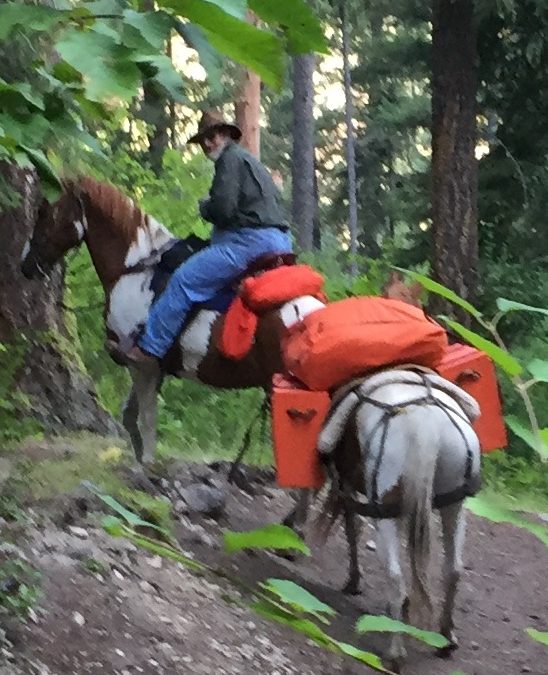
(352, 531)
(296, 518)
(453, 532)
(130, 416)
(389, 552)
(146, 384)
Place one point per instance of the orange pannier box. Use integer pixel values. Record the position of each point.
(474, 371)
(297, 418)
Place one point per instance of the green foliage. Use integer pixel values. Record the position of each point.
(19, 588)
(538, 437)
(538, 635)
(490, 508)
(272, 536)
(384, 624)
(104, 51)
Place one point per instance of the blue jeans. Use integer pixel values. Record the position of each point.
(202, 276)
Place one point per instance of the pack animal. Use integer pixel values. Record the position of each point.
(396, 445)
(404, 445)
(125, 245)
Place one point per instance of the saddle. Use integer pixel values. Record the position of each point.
(181, 251)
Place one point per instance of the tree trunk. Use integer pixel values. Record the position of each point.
(454, 166)
(156, 113)
(247, 107)
(39, 360)
(303, 200)
(350, 144)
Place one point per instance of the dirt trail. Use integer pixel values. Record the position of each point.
(110, 608)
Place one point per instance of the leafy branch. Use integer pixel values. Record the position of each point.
(500, 354)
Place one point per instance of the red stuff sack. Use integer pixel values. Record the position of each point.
(351, 337)
(238, 331)
(280, 285)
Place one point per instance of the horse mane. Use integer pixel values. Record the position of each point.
(112, 204)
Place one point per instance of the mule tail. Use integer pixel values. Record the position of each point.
(421, 455)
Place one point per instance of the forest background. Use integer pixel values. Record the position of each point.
(355, 135)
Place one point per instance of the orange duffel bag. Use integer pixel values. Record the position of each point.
(351, 337)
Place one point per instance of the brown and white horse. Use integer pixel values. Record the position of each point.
(402, 442)
(125, 244)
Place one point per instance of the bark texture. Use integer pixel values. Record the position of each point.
(33, 330)
(303, 193)
(247, 107)
(454, 166)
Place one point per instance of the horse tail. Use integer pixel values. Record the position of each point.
(421, 454)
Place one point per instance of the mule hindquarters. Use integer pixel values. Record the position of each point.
(422, 452)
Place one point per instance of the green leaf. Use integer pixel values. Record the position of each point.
(526, 434)
(298, 597)
(505, 306)
(305, 626)
(372, 660)
(539, 370)
(538, 635)
(209, 57)
(257, 49)
(105, 65)
(19, 92)
(272, 536)
(486, 507)
(113, 526)
(31, 17)
(442, 290)
(51, 183)
(369, 623)
(166, 75)
(153, 26)
(505, 360)
(303, 30)
(236, 8)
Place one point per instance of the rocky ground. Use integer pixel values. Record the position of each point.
(108, 607)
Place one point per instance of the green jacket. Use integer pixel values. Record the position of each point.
(243, 193)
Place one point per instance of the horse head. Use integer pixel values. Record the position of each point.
(59, 227)
(397, 289)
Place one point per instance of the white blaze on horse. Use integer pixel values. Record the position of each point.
(396, 446)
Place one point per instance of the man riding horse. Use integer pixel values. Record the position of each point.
(248, 222)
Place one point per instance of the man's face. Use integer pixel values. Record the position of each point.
(213, 144)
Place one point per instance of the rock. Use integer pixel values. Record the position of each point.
(155, 562)
(370, 544)
(79, 532)
(78, 618)
(526, 669)
(146, 587)
(204, 499)
(180, 506)
(475, 646)
(544, 517)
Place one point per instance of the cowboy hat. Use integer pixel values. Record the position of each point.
(214, 121)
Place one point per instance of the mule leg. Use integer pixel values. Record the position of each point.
(130, 416)
(453, 532)
(296, 518)
(388, 546)
(352, 531)
(146, 384)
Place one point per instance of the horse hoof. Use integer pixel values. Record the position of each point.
(447, 651)
(352, 588)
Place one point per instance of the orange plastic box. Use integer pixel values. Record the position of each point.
(297, 417)
(473, 370)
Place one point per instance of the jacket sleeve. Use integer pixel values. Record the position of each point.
(222, 205)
